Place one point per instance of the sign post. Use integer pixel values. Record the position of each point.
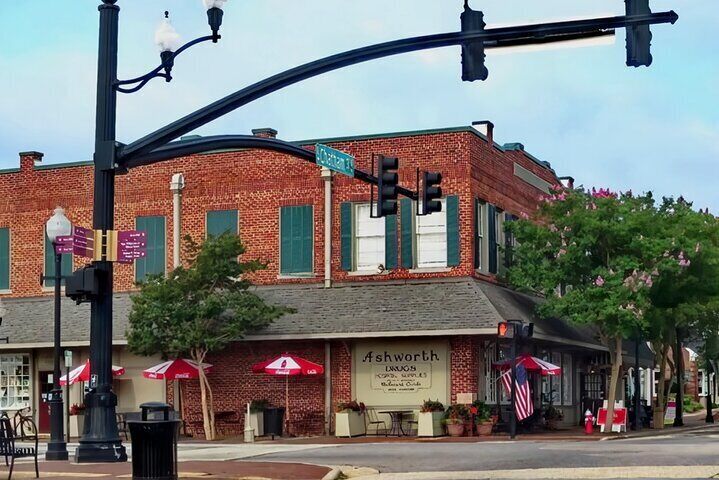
(68, 365)
(335, 160)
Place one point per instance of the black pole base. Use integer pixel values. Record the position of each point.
(678, 422)
(100, 453)
(56, 451)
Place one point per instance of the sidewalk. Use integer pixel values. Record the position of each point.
(204, 470)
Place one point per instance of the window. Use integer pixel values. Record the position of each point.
(155, 260)
(296, 240)
(50, 263)
(4, 259)
(369, 239)
(498, 236)
(14, 382)
(221, 221)
(480, 236)
(431, 232)
(556, 385)
(567, 372)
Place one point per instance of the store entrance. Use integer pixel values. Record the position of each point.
(43, 416)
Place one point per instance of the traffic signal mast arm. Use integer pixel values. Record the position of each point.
(494, 37)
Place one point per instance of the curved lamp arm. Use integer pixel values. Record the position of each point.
(167, 63)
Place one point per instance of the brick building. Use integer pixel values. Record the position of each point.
(368, 292)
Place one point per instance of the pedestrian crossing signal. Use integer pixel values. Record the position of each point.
(505, 330)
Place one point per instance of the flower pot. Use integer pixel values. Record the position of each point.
(77, 425)
(257, 422)
(430, 424)
(455, 429)
(553, 424)
(485, 428)
(350, 424)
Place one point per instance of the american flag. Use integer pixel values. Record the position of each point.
(523, 405)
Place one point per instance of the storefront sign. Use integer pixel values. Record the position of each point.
(408, 377)
(671, 413)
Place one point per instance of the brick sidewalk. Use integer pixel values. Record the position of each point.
(204, 470)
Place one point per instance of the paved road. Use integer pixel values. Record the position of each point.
(606, 459)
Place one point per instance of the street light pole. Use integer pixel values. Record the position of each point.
(57, 226)
(101, 440)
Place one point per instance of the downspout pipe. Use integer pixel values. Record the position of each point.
(327, 177)
(177, 184)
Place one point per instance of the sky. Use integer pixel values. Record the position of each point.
(581, 109)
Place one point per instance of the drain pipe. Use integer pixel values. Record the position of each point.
(177, 184)
(327, 177)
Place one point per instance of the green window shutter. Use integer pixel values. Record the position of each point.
(155, 260)
(390, 242)
(346, 234)
(4, 259)
(296, 239)
(50, 263)
(452, 230)
(477, 240)
(407, 227)
(508, 241)
(221, 221)
(492, 238)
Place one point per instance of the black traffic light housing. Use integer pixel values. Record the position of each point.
(515, 329)
(473, 67)
(639, 37)
(505, 330)
(83, 284)
(387, 186)
(431, 192)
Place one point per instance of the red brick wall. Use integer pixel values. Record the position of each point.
(257, 183)
(464, 359)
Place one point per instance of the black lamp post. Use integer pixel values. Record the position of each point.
(101, 440)
(58, 225)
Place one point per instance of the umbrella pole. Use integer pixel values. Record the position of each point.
(287, 404)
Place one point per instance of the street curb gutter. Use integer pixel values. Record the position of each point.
(332, 474)
(658, 433)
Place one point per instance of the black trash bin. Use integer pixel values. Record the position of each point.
(154, 443)
(274, 420)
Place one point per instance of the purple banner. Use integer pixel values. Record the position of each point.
(131, 245)
(62, 249)
(83, 241)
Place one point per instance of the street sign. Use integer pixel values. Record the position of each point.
(63, 244)
(131, 245)
(335, 160)
(83, 242)
(68, 358)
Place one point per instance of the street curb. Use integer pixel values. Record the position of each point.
(659, 433)
(332, 474)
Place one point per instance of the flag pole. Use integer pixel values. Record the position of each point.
(513, 399)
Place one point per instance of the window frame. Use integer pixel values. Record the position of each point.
(237, 222)
(311, 272)
(481, 225)
(416, 236)
(355, 238)
(45, 283)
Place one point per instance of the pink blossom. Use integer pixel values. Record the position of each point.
(599, 281)
(524, 216)
(561, 252)
(603, 193)
(684, 263)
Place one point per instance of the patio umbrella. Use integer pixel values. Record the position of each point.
(287, 366)
(82, 374)
(531, 364)
(175, 369)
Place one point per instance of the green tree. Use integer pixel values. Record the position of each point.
(593, 256)
(199, 309)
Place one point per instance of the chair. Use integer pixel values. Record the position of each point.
(372, 419)
(412, 421)
(121, 420)
(27, 432)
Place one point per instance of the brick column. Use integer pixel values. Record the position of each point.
(464, 366)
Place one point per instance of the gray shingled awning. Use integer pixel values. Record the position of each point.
(447, 306)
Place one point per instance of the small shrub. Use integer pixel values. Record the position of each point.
(432, 406)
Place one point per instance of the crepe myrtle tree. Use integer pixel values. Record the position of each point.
(199, 308)
(594, 256)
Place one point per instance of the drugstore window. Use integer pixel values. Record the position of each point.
(14, 382)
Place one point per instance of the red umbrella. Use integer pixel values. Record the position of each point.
(175, 369)
(532, 364)
(82, 374)
(288, 365)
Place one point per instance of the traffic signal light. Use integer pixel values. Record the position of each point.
(639, 37)
(473, 67)
(505, 330)
(387, 186)
(431, 192)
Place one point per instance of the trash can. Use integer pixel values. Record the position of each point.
(154, 443)
(274, 421)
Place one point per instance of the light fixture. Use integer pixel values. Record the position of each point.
(214, 16)
(167, 40)
(58, 225)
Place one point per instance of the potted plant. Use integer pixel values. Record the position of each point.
(455, 417)
(483, 416)
(350, 419)
(257, 415)
(430, 419)
(553, 417)
(77, 419)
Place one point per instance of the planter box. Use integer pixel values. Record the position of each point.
(430, 424)
(77, 425)
(257, 422)
(350, 424)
